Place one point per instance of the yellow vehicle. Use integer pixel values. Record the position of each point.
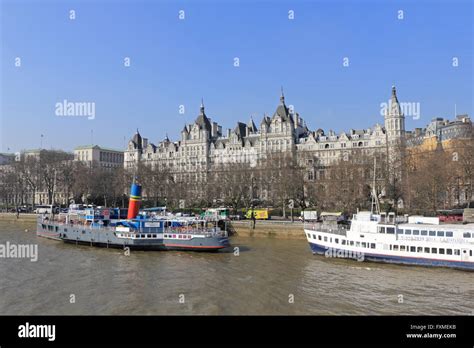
(260, 214)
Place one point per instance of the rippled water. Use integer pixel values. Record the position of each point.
(263, 279)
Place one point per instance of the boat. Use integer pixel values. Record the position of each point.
(408, 240)
(381, 237)
(107, 227)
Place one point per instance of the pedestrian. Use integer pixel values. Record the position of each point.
(254, 219)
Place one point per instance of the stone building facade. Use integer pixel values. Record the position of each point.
(203, 146)
(103, 157)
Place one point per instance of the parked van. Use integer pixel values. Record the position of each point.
(47, 209)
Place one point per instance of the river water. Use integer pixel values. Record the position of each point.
(269, 276)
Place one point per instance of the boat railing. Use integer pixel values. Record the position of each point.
(334, 229)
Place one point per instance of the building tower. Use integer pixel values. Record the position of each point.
(394, 120)
(395, 142)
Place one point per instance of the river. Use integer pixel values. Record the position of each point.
(268, 276)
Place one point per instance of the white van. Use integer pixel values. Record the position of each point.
(46, 209)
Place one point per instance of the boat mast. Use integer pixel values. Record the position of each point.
(375, 208)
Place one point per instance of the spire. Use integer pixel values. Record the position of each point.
(394, 109)
(282, 96)
(202, 106)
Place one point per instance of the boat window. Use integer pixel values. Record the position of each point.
(330, 240)
(424, 233)
(400, 231)
(381, 229)
(314, 236)
(402, 248)
(307, 235)
(357, 244)
(372, 245)
(434, 251)
(416, 232)
(148, 235)
(441, 251)
(325, 239)
(427, 250)
(449, 252)
(407, 231)
(352, 243)
(467, 235)
(154, 235)
(449, 234)
(413, 249)
(470, 252)
(440, 233)
(395, 247)
(319, 237)
(364, 245)
(337, 240)
(456, 252)
(419, 249)
(391, 230)
(432, 233)
(343, 241)
(390, 246)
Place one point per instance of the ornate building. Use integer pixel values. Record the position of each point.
(203, 146)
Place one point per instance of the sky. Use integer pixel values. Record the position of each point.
(336, 61)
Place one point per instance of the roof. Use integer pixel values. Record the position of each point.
(88, 147)
(240, 129)
(251, 126)
(283, 112)
(203, 122)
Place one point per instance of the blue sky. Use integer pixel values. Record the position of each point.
(176, 62)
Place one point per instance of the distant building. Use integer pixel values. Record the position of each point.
(203, 146)
(440, 132)
(6, 158)
(104, 157)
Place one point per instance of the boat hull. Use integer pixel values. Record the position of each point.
(383, 258)
(109, 239)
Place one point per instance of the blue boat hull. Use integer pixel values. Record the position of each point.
(469, 266)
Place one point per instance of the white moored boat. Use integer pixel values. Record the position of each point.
(381, 238)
